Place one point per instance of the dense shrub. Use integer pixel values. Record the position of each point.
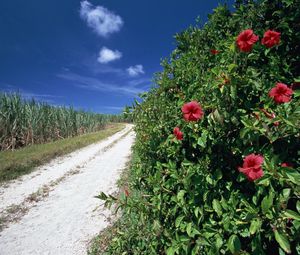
(232, 184)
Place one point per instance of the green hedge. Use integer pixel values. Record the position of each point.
(231, 185)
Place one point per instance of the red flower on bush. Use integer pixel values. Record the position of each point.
(281, 93)
(271, 38)
(192, 111)
(252, 167)
(286, 164)
(178, 133)
(214, 52)
(246, 40)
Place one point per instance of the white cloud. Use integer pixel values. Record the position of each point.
(106, 55)
(100, 19)
(135, 70)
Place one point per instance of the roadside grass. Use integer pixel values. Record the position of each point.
(101, 242)
(107, 242)
(16, 163)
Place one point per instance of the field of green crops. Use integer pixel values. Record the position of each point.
(27, 122)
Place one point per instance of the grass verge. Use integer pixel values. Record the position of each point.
(100, 243)
(16, 163)
(128, 225)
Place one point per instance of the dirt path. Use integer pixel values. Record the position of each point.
(65, 219)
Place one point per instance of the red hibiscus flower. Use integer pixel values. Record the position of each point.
(246, 40)
(286, 164)
(271, 38)
(281, 93)
(178, 133)
(214, 52)
(252, 167)
(192, 111)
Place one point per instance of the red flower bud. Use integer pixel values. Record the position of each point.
(178, 134)
(126, 193)
(268, 115)
(214, 52)
(286, 164)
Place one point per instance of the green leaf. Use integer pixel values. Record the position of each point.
(281, 252)
(217, 207)
(296, 93)
(283, 241)
(291, 214)
(178, 221)
(234, 244)
(267, 52)
(218, 174)
(296, 224)
(252, 56)
(189, 229)
(288, 2)
(219, 241)
(180, 195)
(102, 196)
(243, 132)
(209, 179)
(232, 47)
(195, 250)
(217, 117)
(231, 67)
(247, 123)
(197, 211)
(184, 238)
(208, 232)
(286, 193)
(233, 91)
(215, 71)
(202, 139)
(255, 225)
(292, 174)
(289, 122)
(264, 181)
(298, 206)
(267, 203)
(170, 251)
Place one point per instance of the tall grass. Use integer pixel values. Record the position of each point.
(26, 122)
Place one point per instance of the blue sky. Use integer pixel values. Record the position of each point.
(95, 55)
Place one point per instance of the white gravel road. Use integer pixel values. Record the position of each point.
(66, 220)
